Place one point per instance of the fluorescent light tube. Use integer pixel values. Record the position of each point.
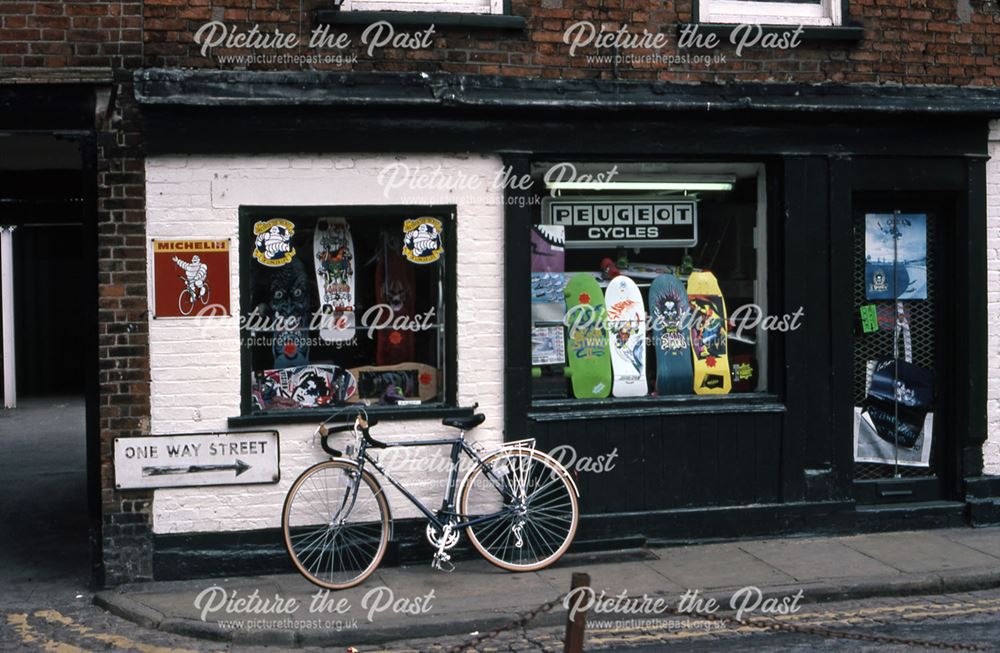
(640, 185)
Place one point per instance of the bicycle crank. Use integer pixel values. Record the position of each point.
(442, 561)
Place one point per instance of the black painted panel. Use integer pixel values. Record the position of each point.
(666, 462)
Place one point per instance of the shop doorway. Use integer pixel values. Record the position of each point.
(912, 449)
(48, 427)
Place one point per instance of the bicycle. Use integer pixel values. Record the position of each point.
(517, 505)
(189, 296)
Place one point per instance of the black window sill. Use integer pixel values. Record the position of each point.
(422, 19)
(429, 411)
(556, 410)
(813, 33)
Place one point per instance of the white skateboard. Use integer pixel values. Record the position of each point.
(333, 254)
(626, 318)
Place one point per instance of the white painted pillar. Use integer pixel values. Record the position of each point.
(7, 301)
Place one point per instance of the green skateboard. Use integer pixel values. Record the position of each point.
(586, 338)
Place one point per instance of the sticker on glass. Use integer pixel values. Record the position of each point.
(273, 246)
(422, 240)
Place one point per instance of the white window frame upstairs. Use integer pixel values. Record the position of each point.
(825, 14)
(445, 6)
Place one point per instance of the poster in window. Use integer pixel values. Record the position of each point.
(895, 256)
(190, 278)
(548, 346)
(870, 447)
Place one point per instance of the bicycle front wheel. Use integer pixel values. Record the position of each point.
(185, 302)
(336, 524)
(534, 507)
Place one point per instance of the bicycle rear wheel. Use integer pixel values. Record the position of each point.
(335, 523)
(536, 504)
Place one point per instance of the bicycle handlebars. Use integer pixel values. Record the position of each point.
(360, 424)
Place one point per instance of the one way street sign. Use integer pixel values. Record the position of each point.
(197, 459)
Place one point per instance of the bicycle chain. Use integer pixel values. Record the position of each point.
(524, 618)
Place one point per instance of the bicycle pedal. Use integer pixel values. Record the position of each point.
(443, 563)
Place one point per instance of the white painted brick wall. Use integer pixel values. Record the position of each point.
(195, 363)
(991, 450)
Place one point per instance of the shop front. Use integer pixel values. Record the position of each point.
(433, 251)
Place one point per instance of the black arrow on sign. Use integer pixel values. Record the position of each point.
(239, 467)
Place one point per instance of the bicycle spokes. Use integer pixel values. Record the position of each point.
(336, 525)
(534, 505)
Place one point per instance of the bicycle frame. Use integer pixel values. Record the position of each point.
(458, 446)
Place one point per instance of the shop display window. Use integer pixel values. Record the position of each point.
(651, 283)
(346, 306)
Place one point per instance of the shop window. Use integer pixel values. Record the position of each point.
(346, 306)
(817, 13)
(451, 6)
(648, 282)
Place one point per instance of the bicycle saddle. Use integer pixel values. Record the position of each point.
(466, 423)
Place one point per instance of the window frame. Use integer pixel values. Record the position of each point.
(496, 7)
(447, 405)
(521, 404)
(827, 14)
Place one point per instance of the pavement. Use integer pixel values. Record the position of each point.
(398, 603)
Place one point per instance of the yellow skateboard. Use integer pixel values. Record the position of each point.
(708, 335)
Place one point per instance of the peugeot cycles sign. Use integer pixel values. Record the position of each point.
(622, 221)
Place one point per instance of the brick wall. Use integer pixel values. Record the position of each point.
(906, 41)
(79, 33)
(123, 332)
(991, 450)
(196, 363)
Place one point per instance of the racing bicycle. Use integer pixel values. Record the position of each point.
(517, 505)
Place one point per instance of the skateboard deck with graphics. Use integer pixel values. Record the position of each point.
(411, 380)
(395, 287)
(586, 340)
(708, 335)
(306, 386)
(668, 305)
(333, 253)
(626, 324)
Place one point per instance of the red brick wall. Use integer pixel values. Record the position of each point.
(75, 33)
(123, 339)
(906, 41)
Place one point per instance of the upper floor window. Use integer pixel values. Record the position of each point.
(819, 13)
(450, 6)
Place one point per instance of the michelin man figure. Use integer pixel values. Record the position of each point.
(196, 272)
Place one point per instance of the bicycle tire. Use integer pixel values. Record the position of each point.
(484, 538)
(307, 526)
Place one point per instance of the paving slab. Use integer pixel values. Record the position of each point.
(920, 552)
(985, 541)
(817, 559)
(635, 577)
(716, 566)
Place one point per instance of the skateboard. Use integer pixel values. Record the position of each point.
(306, 386)
(586, 341)
(708, 335)
(547, 251)
(407, 380)
(333, 251)
(668, 303)
(626, 324)
(395, 287)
